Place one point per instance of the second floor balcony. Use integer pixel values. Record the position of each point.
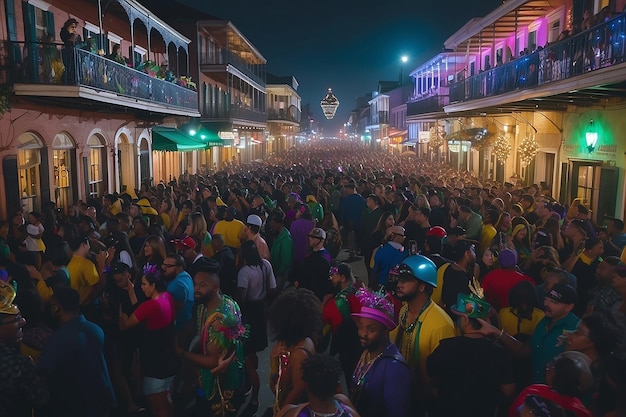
(51, 70)
(223, 57)
(289, 115)
(229, 112)
(585, 60)
(426, 104)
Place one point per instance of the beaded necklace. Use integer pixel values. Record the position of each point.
(411, 327)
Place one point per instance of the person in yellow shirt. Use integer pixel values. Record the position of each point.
(231, 229)
(85, 277)
(422, 324)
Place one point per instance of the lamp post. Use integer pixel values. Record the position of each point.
(404, 60)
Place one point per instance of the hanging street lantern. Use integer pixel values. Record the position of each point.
(329, 104)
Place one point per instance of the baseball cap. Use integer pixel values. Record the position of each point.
(254, 220)
(398, 230)
(119, 267)
(438, 231)
(182, 244)
(507, 258)
(318, 233)
(562, 293)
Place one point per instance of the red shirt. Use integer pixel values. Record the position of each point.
(545, 391)
(498, 284)
(156, 313)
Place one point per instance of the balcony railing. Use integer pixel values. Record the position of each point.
(53, 64)
(282, 114)
(223, 57)
(233, 111)
(430, 104)
(599, 47)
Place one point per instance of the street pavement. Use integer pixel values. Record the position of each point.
(266, 398)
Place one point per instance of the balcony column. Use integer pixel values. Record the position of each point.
(149, 29)
(438, 75)
(516, 53)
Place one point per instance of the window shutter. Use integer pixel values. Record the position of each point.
(11, 27)
(31, 50)
(50, 24)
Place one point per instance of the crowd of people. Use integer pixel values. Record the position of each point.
(479, 299)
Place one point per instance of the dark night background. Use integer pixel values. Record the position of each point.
(347, 45)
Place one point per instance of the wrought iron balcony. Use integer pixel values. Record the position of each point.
(256, 72)
(233, 111)
(602, 46)
(291, 115)
(428, 104)
(53, 64)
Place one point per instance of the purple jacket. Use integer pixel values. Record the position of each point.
(386, 389)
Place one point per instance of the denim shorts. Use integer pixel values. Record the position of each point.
(153, 386)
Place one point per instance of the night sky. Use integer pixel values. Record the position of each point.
(347, 45)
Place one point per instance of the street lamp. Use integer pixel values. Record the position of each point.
(404, 60)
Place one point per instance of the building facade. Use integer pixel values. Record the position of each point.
(283, 113)
(531, 92)
(76, 120)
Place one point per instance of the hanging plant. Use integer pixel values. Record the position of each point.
(528, 149)
(502, 148)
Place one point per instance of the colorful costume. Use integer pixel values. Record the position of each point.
(223, 327)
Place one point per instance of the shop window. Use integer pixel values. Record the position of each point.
(585, 182)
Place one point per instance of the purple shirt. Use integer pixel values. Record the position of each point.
(300, 230)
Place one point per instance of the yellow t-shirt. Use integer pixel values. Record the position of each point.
(508, 321)
(623, 255)
(83, 276)
(231, 232)
(432, 326)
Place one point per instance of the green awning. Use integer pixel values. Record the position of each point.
(172, 139)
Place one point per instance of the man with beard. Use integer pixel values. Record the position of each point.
(20, 386)
(219, 348)
(380, 383)
(422, 325)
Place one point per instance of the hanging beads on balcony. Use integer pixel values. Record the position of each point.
(502, 148)
(528, 149)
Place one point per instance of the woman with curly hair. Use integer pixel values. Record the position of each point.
(295, 319)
